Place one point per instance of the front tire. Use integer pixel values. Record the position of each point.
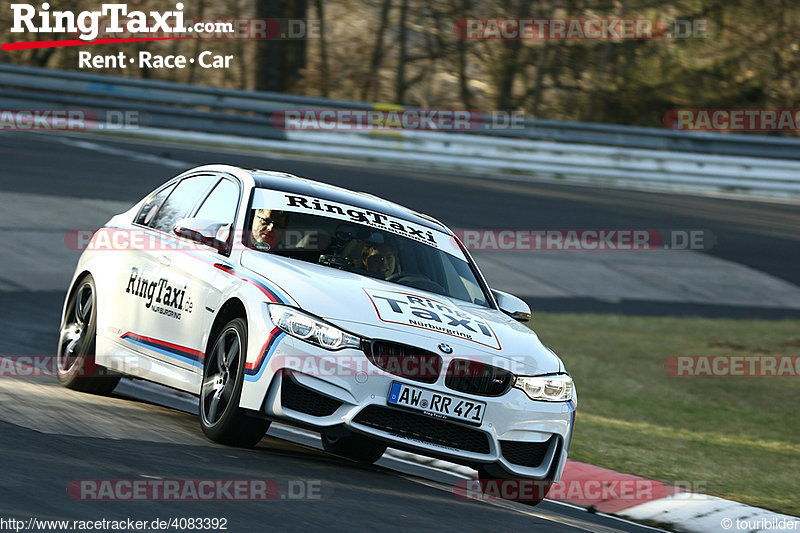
(493, 485)
(76, 366)
(357, 448)
(221, 417)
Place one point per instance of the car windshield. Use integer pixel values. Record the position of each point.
(364, 242)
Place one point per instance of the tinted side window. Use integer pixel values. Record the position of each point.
(220, 206)
(181, 201)
(148, 210)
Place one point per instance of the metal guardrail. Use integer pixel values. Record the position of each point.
(601, 153)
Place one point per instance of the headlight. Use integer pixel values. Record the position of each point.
(546, 388)
(310, 329)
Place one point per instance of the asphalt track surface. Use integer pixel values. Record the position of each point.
(56, 436)
(50, 436)
(764, 236)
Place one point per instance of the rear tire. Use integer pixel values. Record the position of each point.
(359, 448)
(76, 366)
(221, 417)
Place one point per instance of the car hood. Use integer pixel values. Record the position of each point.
(375, 308)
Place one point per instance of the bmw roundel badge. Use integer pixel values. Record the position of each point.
(445, 348)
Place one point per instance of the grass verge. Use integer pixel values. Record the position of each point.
(733, 437)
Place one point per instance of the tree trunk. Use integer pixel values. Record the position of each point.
(323, 50)
(461, 48)
(279, 60)
(509, 64)
(400, 80)
(377, 54)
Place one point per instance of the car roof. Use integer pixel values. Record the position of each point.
(290, 183)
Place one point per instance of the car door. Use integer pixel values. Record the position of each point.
(186, 312)
(128, 260)
(163, 303)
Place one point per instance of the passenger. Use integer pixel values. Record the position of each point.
(380, 259)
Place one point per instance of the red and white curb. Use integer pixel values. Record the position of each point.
(643, 500)
(701, 513)
(583, 485)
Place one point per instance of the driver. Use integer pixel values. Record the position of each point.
(380, 259)
(268, 228)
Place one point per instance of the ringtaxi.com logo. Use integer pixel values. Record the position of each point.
(115, 23)
(87, 23)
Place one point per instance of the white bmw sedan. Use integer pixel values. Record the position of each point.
(274, 297)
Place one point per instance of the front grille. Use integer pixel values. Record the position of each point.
(299, 398)
(424, 428)
(475, 377)
(403, 360)
(530, 454)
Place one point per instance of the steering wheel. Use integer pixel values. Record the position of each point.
(418, 281)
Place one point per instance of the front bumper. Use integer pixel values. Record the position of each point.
(525, 438)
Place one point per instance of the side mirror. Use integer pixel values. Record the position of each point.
(512, 306)
(209, 232)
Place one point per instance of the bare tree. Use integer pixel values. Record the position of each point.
(371, 80)
(323, 50)
(279, 61)
(402, 55)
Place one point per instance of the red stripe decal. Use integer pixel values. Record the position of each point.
(166, 344)
(257, 363)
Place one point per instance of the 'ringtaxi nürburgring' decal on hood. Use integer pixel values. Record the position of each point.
(409, 309)
(265, 199)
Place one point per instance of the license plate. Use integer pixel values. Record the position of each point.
(436, 404)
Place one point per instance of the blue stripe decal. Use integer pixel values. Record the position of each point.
(273, 345)
(184, 358)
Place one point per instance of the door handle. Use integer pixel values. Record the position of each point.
(165, 260)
